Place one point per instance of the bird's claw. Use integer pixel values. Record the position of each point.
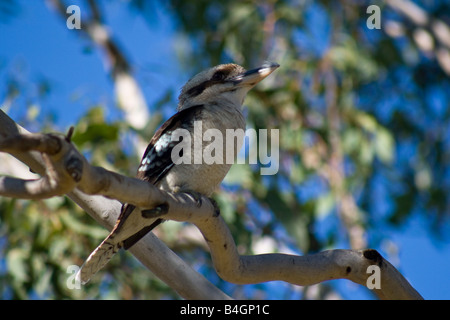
(216, 207)
(197, 197)
(156, 212)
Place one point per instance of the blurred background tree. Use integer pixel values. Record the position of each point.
(364, 128)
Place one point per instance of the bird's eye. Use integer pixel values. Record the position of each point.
(219, 75)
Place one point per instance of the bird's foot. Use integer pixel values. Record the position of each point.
(216, 207)
(197, 196)
(198, 199)
(156, 212)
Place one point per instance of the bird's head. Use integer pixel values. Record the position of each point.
(226, 82)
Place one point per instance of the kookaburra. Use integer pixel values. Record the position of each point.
(214, 97)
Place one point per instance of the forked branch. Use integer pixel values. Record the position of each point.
(67, 171)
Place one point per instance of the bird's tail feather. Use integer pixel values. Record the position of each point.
(107, 249)
(98, 258)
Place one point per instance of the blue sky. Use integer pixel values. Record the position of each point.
(38, 41)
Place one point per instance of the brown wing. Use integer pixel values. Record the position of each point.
(157, 161)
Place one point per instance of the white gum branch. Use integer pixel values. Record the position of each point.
(150, 251)
(66, 168)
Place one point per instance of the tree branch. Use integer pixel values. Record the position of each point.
(150, 251)
(431, 35)
(300, 270)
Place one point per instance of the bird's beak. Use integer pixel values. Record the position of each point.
(252, 77)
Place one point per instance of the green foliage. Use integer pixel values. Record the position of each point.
(352, 109)
(349, 103)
